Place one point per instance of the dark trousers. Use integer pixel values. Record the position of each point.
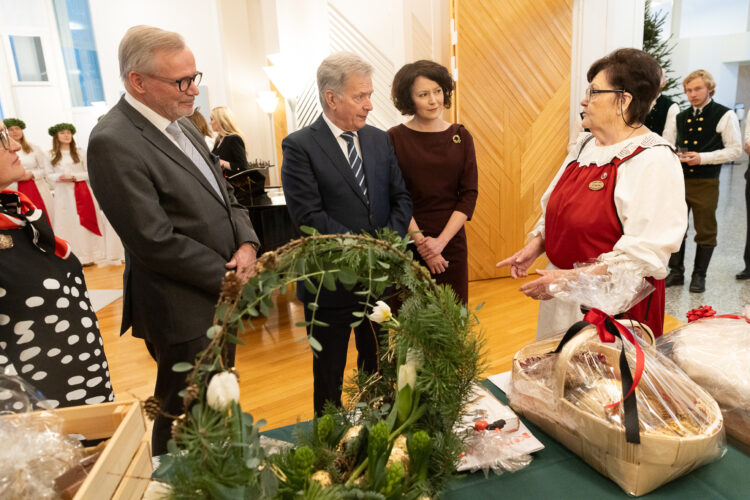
(747, 211)
(329, 364)
(702, 197)
(170, 383)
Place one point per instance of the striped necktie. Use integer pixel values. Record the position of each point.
(355, 161)
(187, 147)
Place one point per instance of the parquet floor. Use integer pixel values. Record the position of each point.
(275, 363)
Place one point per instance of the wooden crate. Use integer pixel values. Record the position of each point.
(123, 469)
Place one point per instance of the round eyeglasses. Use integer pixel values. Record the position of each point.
(183, 83)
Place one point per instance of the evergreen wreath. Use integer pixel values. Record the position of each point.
(394, 440)
(14, 122)
(54, 129)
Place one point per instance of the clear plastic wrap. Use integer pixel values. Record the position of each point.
(575, 393)
(608, 287)
(715, 353)
(35, 451)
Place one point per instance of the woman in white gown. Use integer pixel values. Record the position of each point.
(34, 184)
(77, 216)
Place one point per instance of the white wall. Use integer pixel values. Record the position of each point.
(196, 20)
(600, 27)
(721, 53)
(40, 105)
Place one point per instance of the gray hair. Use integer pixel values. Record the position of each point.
(140, 43)
(335, 69)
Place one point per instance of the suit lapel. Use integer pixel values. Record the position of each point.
(161, 142)
(329, 144)
(200, 145)
(368, 148)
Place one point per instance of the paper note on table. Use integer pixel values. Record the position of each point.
(502, 380)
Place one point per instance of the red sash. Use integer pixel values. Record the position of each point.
(86, 208)
(581, 223)
(29, 188)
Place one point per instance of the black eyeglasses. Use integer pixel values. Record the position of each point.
(5, 138)
(592, 92)
(183, 83)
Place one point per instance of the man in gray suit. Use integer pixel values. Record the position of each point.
(178, 219)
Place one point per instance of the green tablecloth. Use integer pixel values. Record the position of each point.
(557, 473)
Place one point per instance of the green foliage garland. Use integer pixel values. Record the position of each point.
(394, 441)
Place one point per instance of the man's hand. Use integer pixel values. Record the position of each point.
(243, 261)
(691, 158)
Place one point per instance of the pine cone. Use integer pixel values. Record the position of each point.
(191, 392)
(152, 407)
(231, 286)
(177, 425)
(269, 260)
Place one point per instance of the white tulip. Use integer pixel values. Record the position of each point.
(222, 390)
(381, 312)
(407, 375)
(157, 490)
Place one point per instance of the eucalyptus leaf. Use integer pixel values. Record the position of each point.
(314, 343)
(182, 366)
(308, 230)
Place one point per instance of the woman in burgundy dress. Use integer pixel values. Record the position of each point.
(439, 167)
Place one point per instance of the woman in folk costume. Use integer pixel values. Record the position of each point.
(619, 196)
(34, 183)
(49, 335)
(77, 217)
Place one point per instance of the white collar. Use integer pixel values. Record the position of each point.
(336, 131)
(701, 108)
(152, 116)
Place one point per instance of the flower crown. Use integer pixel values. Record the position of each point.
(14, 122)
(54, 129)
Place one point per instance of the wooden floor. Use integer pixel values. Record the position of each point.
(275, 364)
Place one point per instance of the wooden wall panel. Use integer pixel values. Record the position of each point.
(513, 92)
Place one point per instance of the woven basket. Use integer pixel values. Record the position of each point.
(636, 468)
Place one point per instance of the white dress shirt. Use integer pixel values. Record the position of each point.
(152, 116)
(342, 142)
(728, 127)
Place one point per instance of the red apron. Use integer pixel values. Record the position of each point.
(86, 208)
(581, 223)
(29, 188)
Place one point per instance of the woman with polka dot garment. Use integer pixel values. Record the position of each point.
(49, 335)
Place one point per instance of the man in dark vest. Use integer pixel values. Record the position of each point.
(661, 119)
(708, 135)
(745, 273)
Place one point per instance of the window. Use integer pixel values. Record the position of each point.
(28, 58)
(79, 51)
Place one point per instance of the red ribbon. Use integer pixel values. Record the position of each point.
(85, 207)
(599, 319)
(28, 187)
(708, 312)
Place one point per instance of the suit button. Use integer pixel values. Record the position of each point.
(691, 170)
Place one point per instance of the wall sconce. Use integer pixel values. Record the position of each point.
(285, 75)
(268, 100)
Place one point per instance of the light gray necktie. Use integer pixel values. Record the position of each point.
(355, 161)
(187, 147)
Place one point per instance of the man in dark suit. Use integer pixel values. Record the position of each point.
(164, 194)
(340, 175)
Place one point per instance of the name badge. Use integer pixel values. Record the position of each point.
(596, 185)
(6, 241)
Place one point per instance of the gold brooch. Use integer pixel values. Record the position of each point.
(6, 241)
(457, 139)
